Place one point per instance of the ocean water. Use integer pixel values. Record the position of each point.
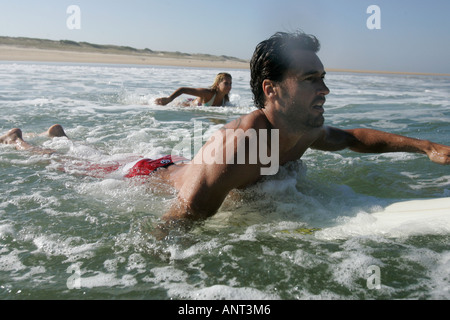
(309, 232)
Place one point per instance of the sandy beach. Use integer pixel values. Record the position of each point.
(12, 53)
(18, 53)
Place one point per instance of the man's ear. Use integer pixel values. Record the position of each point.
(269, 88)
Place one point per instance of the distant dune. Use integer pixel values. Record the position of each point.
(29, 49)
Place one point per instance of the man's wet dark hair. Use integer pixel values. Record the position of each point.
(272, 59)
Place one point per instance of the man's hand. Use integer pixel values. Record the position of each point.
(439, 153)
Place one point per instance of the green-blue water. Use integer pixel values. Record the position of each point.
(64, 235)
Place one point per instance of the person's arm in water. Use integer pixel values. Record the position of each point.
(374, 141)
(202, 93)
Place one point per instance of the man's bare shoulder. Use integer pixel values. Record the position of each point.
(254, 120)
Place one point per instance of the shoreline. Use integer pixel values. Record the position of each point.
(10, 53)
(17, 54)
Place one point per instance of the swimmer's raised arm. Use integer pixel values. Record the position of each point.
(218, 93)
(198, 92)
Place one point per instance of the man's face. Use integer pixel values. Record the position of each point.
(303, 91)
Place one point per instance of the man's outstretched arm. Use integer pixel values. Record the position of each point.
(374, 141)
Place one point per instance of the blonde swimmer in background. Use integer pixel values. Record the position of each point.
(216, 96)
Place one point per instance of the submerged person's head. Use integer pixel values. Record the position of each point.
(273, 59)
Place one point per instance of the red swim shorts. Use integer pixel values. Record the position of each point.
(145, 167)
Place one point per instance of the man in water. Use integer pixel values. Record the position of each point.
(287, 80)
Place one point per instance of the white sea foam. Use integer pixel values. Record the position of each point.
(175, 282)
(10, 261)
(440, 280)
(67, 248)
(101, 279)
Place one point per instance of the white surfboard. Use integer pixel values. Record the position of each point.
(414, 217)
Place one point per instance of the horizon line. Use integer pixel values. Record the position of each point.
(70, 47)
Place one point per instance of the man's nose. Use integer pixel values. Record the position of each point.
(323, 89)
